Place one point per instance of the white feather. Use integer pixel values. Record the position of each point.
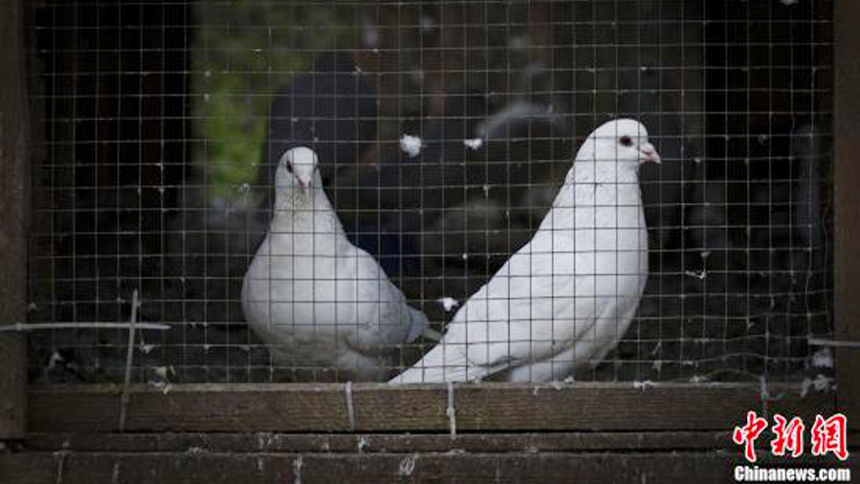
(411, 145)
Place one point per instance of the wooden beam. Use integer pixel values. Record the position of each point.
(846, 148)
(266, 442)
(195, 466)
(14, 200)
(383, 408)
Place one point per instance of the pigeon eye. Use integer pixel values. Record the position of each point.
(626, 141)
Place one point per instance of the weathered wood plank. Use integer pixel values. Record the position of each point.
(381, 443)
(13, 229)
(382, 408)
(195, 467)
(199, 466)
(846, 145)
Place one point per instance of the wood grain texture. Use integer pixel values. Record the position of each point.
(382, 408)
(264, 442)
(847, 202)
(196, 466)
(13, 229)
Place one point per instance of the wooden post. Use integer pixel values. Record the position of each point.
(846, 136)
(14, 201)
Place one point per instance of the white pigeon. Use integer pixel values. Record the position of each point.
(318, 301)
(565, 298)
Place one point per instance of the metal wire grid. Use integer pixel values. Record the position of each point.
(155, 168)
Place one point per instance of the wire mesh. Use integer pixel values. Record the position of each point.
(444, 131)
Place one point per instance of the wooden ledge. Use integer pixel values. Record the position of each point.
(264, 442)
(414, 408)
(192, 467)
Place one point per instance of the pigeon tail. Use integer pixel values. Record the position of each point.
(418, 325)
(451, 370)
(432, 334)
(442, 374)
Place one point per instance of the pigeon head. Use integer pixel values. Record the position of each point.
(624, 140)
(297, 167)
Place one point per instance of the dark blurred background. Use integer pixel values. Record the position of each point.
(160, 125)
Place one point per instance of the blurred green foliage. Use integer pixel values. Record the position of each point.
(243, 52)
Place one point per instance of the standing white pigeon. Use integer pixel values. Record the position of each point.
(565, 298)
(318, 301)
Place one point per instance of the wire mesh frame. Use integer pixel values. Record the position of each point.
(86, 284)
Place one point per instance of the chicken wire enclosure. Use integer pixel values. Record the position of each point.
(444, 131)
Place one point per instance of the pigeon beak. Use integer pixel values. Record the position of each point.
(304, 183)
(648, 153)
